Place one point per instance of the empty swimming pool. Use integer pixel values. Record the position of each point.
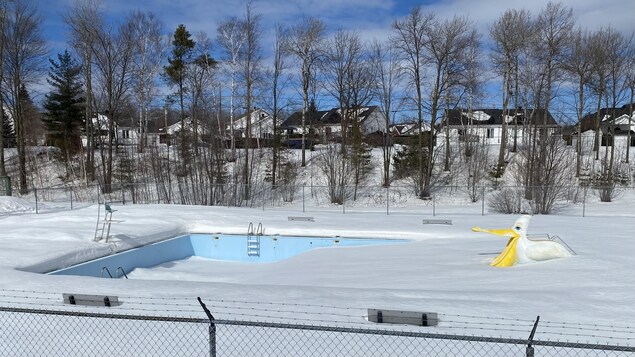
(253, 249)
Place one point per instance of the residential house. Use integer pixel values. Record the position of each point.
(327, 125)
(261, 125)
(612, 129)
(405, 129)
(486, 125)
(125, 134)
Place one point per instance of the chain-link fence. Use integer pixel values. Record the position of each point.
(444, 199)
(30, 332)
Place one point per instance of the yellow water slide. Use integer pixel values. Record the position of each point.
(508, 256)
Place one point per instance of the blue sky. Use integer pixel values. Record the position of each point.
(371, 18)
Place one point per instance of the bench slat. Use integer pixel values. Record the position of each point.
(437, 221)
(306, 219)
(90, 300)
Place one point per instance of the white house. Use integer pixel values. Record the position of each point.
(611, 131)
(486, 125)
(261, 125)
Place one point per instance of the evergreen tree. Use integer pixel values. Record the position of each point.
(175, 72)
(8, 132)
(31, 119)
(406, 161)
(65, 104)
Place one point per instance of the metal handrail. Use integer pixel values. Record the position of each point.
(260, 230)
(107, 271)
(122, 272)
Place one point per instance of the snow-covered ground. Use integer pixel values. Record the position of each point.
(445, 269)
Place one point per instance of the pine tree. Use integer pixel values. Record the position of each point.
(175, 72)
(8, 132)
(65, 105)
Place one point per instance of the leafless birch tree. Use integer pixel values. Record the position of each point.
(305, 42)
(410, 40)
(25, 50)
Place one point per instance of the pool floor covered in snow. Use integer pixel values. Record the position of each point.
(241, 248)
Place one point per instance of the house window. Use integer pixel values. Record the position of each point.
(125, 134)
(490, 133)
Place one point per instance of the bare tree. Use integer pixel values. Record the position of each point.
(250, 58)
(305, 42)
(410, 40)
(23, 63)
(452, 49)
(578, 65)
(112, 53)
(84, 20)
(277, 83)
(149, 51)
(554, 26)
(387, 70)
(200, 81)
(3, 17)
(630, 83)
(599, 68)
(509, 36)
(617, 49)
(445, 49)
(349, 80)
(343, 53)
(336, 168)
(231, 39)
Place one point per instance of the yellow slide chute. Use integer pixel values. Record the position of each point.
(508, 257)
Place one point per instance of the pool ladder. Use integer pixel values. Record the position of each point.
(253, 240)
(119, 269)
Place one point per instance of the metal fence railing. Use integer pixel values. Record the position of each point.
(30, 332)
(444, 199)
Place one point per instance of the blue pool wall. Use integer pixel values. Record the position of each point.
(212, 246)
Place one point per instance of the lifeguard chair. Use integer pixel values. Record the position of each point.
(103, 226)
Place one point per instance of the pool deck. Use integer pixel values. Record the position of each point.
(445, 269)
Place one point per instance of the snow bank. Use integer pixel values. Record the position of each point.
(15, 205)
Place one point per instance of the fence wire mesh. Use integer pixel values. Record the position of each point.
(27, 332)
(31, 332)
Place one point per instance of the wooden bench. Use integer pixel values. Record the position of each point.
(437, 221)
(304, 219)
(91, 300)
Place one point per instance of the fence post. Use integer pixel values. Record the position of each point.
(530, 348)
(584, 202)
(123, 195)
(483, 202)
(387, 200)
(434, 208)
(344, 200)
(212, 329)
(36, 208)
(71, 189)
(303, 185)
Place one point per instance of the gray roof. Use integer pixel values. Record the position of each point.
(324, 117)
(486, 117)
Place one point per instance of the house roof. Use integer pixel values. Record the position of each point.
(326, 117)
(494, 117)
(404, 129)
(295, 119)
(257, 116)
(606, 115)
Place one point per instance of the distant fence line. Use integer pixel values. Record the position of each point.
(36, 332)
(444, 199)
